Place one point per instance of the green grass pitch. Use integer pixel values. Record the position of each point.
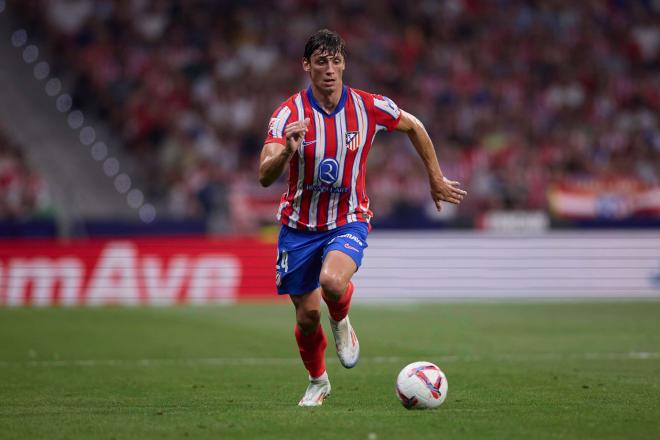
(571, 370)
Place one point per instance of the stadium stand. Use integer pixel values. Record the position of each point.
(519, 97)
(23, 192)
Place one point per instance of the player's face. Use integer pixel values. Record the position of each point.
(325, 70)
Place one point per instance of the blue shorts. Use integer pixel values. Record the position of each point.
(300, 254)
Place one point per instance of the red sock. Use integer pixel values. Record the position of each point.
(339, 309)
(312, 350)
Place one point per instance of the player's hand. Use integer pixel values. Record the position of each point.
(446, 190)
(295, 133)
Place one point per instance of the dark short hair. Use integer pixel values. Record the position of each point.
(325, 40)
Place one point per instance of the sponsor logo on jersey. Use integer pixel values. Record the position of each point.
(352, 140)
(327, 188)
(305, 143)
(328, 171)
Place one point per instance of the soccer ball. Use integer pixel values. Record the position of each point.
(421, 385)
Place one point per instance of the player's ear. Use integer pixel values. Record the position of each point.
(306, 64)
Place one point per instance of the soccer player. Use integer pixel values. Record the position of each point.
(324, 134)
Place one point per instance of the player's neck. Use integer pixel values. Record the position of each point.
(328, 101)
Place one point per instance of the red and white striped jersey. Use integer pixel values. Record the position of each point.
(327, 174)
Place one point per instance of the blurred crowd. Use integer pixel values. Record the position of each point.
(23, 193)
(515, 94)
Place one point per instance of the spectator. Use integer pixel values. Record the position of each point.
(23, 193)
(516, 94)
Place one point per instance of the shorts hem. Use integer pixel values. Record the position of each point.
(297, 293)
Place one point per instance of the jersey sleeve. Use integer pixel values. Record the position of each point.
(278, 121)
(386, 112)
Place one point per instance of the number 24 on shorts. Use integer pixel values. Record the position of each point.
(282, 261)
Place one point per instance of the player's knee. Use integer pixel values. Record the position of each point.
(308, 320)
(333, 286)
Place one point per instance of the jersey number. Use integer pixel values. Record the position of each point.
(282, 261)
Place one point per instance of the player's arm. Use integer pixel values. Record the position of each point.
(442, 189)
(275, 156)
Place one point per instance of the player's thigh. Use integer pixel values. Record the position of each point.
(337, 268)
(342, 256)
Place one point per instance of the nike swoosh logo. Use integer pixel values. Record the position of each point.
(305, 143)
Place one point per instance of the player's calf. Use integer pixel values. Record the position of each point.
(308, 320)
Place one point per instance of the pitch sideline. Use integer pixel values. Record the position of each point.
(247, 361)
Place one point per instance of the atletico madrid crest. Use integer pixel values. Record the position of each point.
(352, 140)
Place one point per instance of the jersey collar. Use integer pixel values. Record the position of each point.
(340, 104)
